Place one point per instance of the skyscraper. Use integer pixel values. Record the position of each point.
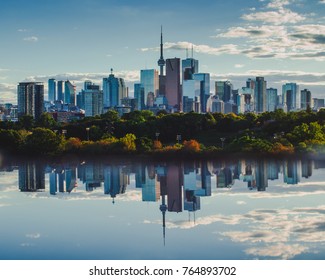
(291, 96)
(223, 89)
(114, 91)
(173, 86)
(202, 89)
(30, 99)
(51, 90)
(91, 99)
(272, 99)
(150, 81)
(306, 100)
(60, 95)
(190, 66)
(139, 96)
(260, 95)
(69, 93)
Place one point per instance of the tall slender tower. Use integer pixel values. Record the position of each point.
(161, 61)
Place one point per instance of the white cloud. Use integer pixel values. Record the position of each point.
(8, 93)
(277, 14)
(263, 31)
(205, 49)
(31, 39)
(22, 30)
(281, 16)
(321, 2)
(277, 4)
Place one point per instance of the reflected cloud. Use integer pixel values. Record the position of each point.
(4, 204)
(33, 235)
(282, 251)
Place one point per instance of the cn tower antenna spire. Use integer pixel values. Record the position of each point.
(161, 61)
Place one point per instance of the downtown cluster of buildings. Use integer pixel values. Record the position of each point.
(179, 86)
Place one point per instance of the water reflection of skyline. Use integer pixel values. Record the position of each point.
(185, 187)
(180, 184)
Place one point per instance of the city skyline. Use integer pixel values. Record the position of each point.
(281, 40)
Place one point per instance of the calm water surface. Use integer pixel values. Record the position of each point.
(239, 209)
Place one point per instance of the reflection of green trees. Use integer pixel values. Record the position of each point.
(270, 132)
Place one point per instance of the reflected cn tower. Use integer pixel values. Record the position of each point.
(161, 61)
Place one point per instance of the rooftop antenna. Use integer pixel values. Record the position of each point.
(111, 71)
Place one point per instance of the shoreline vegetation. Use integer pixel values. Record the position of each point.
(169, 136)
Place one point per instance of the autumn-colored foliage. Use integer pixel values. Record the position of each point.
(191, 146)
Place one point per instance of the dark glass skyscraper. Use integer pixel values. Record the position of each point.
(114, 91)
(173, 83)
(51, 90)
(260, 95)
(30, 99)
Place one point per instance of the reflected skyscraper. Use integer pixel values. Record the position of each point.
(291, 172)
(151, 187)
(261, 175)
(306, 168)
(115, 181)
(31, 177)
(174, 182)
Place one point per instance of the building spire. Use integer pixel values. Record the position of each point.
(161, 61)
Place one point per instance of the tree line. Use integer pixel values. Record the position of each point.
(143, 132)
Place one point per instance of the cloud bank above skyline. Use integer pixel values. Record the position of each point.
(282, 40)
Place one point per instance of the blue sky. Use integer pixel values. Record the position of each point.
(283, 40)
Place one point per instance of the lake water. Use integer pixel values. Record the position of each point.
(128, 209)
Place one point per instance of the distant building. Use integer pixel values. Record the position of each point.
(30, 99)
(173, 85)
(202, 89)
(69, 93)
(223, 89)
(114, 90)
(260, 95)
(190, 66)
(318, 103)
(150, 82)
(51, 90)
(306, 100)
(90, 99)
(215, 105)
(272, 99)
(60, 92)
(291, 96)
(139, 96)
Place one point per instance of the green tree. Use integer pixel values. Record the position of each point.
(43, 141)
(26, 122)
(46, 120)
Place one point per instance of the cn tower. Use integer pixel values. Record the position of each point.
(161, 61)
